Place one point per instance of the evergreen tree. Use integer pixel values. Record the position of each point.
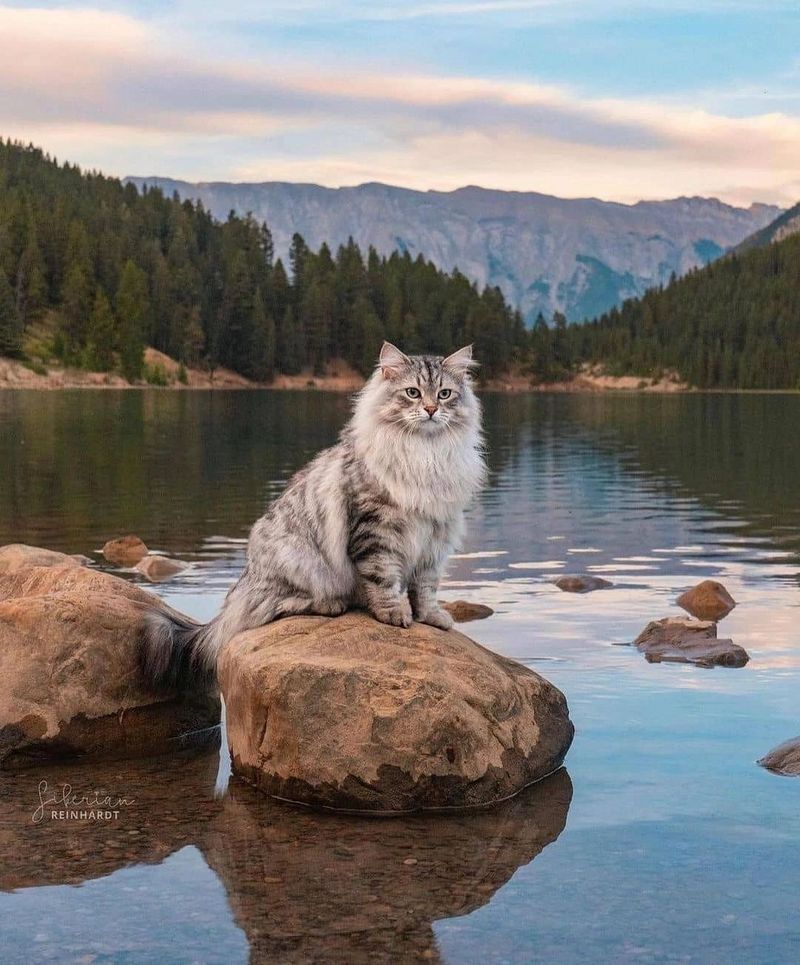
(133, 310)
(10, 325)
(100, 334)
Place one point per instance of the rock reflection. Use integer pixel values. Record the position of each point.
(303, 886)
(311, 887)
(172, 801)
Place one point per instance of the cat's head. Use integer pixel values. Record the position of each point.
(425, 393)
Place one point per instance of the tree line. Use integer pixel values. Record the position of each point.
(92, 271)
(733, 324)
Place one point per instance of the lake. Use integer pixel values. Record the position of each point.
(661, 840)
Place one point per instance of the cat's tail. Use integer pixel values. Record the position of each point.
(176, 652)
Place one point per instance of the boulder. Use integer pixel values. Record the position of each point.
(18, 556)
(708, 600)
(683, 640)
(581, 584)
(784, 759)
(70, 682)
(462, 611)
(158, 568)
(348, 713)
(124, 551)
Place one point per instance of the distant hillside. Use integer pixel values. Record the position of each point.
(546, 254)
(783, 226)
(732, 324)
(92, 271)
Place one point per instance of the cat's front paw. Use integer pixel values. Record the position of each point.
(330, 608)
(438, 618)
(396, 614)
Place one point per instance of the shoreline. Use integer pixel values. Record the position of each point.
(16, 375)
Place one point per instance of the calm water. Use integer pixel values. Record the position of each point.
(661, 842)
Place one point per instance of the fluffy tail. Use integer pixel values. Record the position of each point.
(176, 652)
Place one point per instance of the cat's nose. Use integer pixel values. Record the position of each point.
(431, 410)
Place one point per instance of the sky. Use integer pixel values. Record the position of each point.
(620, 99)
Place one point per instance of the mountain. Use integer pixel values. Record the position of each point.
(783, 226)
(734, 324)
(92, 271)
(546, 254)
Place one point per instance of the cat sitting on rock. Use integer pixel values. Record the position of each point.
(368, 523)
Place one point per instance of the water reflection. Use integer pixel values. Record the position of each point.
(679, 848)
(301, 887)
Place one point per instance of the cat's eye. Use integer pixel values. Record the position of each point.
(445, 393)
(413, 393)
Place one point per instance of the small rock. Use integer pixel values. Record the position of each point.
(708, 600)
(157, 568)
(711, 653)
(462, 611)
(581, 584)
(683, 640)
(675, 631)
(411, 861)
(125, 551)
(784, 759)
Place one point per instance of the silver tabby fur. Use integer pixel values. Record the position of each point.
(368, 523)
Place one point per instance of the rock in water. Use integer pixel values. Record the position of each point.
(349, 713)
(784, 759)
(125, 551)
(674, 631)
(158, 568)
(462, 611)
(683, 640)
(69, 672)
(18, 556)
(581, 584)
(708, 600)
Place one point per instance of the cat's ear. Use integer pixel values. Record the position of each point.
(391, 360)
(460, 362)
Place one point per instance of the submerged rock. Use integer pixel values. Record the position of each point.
(125, 551)
(708, 600)
(683, 640)
(581, 584)
(349, 713)
(70, 682)
(158, 568)
(784, 759)
(462, 611)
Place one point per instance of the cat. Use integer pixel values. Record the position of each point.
(368, 523)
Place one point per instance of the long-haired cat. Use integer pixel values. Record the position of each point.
(368, 523)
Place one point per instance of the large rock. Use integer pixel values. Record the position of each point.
(69, 669)
(350, 713)
(18, 556)
(784, 759)
(708, 600)
(124, 551)
(683, 640)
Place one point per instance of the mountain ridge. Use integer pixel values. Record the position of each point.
(579, 256)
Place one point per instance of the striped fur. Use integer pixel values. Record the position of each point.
(368, 523)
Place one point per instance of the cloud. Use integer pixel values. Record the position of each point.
(104, 89)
